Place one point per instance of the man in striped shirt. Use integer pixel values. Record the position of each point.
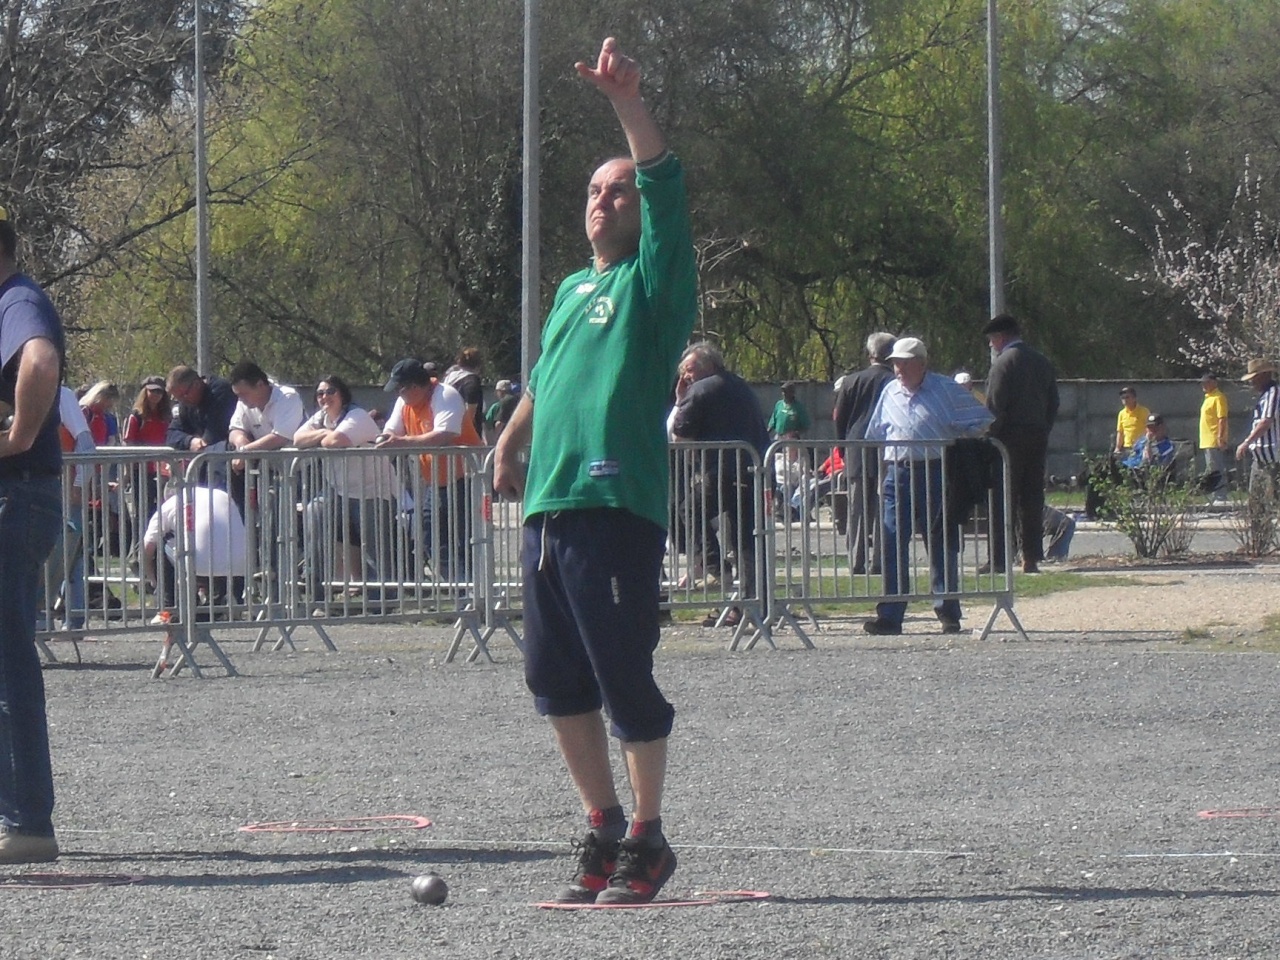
(915, 406)
(1263, 441)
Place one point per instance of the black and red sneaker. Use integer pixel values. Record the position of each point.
(597, 860)
(641, 872)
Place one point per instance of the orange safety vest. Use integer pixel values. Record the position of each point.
(439, 470)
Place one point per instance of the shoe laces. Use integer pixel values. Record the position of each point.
(592, 853)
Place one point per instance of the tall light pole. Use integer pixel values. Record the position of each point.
(995, 198)
(530, 261)
(204, 358)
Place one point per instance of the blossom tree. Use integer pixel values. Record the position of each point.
(1229, 278)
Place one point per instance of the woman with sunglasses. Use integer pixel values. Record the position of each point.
(356, 505)
(147, 425)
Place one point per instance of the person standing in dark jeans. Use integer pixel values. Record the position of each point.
(1022, 393)
(854, 402)
(714, 404)
(32, 357)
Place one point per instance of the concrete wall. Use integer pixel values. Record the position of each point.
(1087, 416)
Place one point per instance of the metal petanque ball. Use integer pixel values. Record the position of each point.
(429, 888)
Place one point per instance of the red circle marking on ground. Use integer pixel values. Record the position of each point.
(1239, 813)
(702, 898)
(340, 825)
(67, 881)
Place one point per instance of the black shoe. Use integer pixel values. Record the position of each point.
(949, 624)
(641, 872)
(986, 568)
(597, 861)
(1030, 567)
(881, 628)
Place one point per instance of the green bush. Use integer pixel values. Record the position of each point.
(1147, 505)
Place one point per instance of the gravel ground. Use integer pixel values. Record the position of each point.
(899, 797)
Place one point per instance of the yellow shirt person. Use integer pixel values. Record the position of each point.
(1213, 415)
(1213, 437)
(1131, 422)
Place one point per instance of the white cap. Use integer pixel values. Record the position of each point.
(963, 379)
(909, 348)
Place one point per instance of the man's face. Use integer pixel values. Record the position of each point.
(1209, 385)
(189, 392)
(688, 370)
(910, 372)
(998, 341)
(1155, 431)
(254, 395)
(613, 211)
(1130, 400)
(415, 394)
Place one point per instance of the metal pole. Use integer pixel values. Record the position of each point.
(995, 198)
(530, 263)
(204, 358)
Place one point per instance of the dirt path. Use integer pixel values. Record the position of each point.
(1188, 604)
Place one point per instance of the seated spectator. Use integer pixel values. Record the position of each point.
(791, 481)
(359, 501)
(1059, 528)
(821, 484)
(214, 537)
(1153, 448)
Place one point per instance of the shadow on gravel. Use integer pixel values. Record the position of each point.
(100, 667)
(398, 855)
(1098, 894)
(1105, 636)
(1142, 893)
(345, 867)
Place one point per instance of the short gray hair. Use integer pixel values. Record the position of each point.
(880, 345)
(706, 356)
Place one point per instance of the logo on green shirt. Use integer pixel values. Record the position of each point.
(600, 310)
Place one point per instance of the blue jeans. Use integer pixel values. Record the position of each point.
(913, 501)
(446, 531)
(30, 521)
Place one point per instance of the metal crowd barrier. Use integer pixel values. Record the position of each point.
(307, 538)
(827, 527)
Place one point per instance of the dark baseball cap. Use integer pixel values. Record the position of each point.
(1155, 420)
(409, 372)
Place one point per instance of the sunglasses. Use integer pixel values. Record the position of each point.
(326, 392)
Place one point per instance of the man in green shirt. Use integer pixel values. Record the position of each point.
(789, 419)
(595, 497)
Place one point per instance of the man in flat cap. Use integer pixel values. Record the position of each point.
(1022, 394)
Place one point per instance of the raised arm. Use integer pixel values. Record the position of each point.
(617, 76)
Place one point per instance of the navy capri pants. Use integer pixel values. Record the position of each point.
(591, 585)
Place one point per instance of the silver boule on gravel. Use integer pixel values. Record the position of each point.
(429, 888)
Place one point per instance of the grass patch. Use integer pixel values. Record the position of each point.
(1058, 581)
